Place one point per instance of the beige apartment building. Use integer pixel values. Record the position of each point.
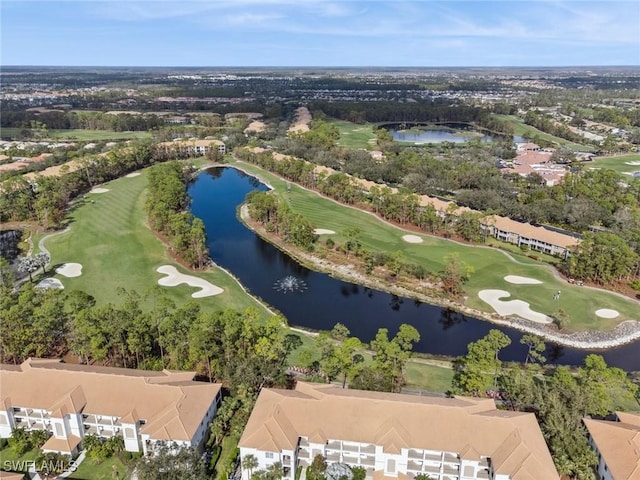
(618, 446)
(146, 408)
(193, 147)
(395, 436)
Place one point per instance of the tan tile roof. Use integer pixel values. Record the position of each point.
(531, 231)
(470, 426)
(171, 403)
(11, 475)
(62, 444)
(619, 444)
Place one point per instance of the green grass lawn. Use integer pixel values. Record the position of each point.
(490, 265)
(82, 135)
(522, 129)
(11, 461)
(109, 237)
(432, 378)
(619, 163)
(89, 469)
(353, 135)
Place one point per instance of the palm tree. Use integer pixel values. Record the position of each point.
(274, 471)
(250, 462)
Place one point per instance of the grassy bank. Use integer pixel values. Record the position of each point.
(109, 237)
(619, 163)
(353, 135)
(490, 265)
(522, 129)
(81, 135)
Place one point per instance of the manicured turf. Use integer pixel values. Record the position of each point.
(109, 237)
(353, 135)
(109, 469)
(619, 163)
(490, 265)
(431, 378)
(10, 460)
(82, 135)
(521, 128)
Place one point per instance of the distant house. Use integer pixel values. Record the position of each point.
(394, 436)
(146, 408)
(617, 444)
(192, 147)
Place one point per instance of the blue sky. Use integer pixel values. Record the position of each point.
(320, 33)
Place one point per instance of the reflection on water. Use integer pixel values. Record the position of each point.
(216, 193)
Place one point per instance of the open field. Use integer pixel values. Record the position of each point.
(9, 458)
(83, 135)
(109, 238)
(619, 163)
(108, 469)
(353, 135)
(523, 129)
(490, 265)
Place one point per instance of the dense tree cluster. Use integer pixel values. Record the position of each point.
(46, 199)
(559, 397)
(336, 356)
(278, 217)
(167, 204)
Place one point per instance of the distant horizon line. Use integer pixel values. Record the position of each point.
(408, 67)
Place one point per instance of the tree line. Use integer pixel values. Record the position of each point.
(166, 205)
(559, 397)
(45, 199)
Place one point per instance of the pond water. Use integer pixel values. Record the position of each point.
(438, 135)
(324, 301)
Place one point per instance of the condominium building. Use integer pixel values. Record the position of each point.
(193, 147)
(395, 436)
(146, 408)
(618, 446)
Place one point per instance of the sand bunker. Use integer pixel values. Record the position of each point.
(69, 270)
(134, 174)
(50, 283)
(518, 280)
(99, 190)
(255, 126)
(323, 231)
(633, 163)
(412, 239)
(302, 120)
(174, 277)
(511, 307)
(607, 313)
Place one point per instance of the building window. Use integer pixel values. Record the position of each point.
(391, 465)
(268, 455)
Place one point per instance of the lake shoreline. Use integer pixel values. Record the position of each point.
(624, 333)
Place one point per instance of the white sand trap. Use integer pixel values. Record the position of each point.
(412, 239)
(70, 270)
(99, 190)
(50, 283)
(511, 307)
(134, 174)
(633, 163)
(518, 280)
(323, 231)
(174, 277)
(607, 313)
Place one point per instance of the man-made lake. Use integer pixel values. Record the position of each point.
(439, 135)
(215, 195)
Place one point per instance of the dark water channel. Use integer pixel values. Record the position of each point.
(217, 192)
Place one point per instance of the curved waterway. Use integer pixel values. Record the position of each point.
(216, 194)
